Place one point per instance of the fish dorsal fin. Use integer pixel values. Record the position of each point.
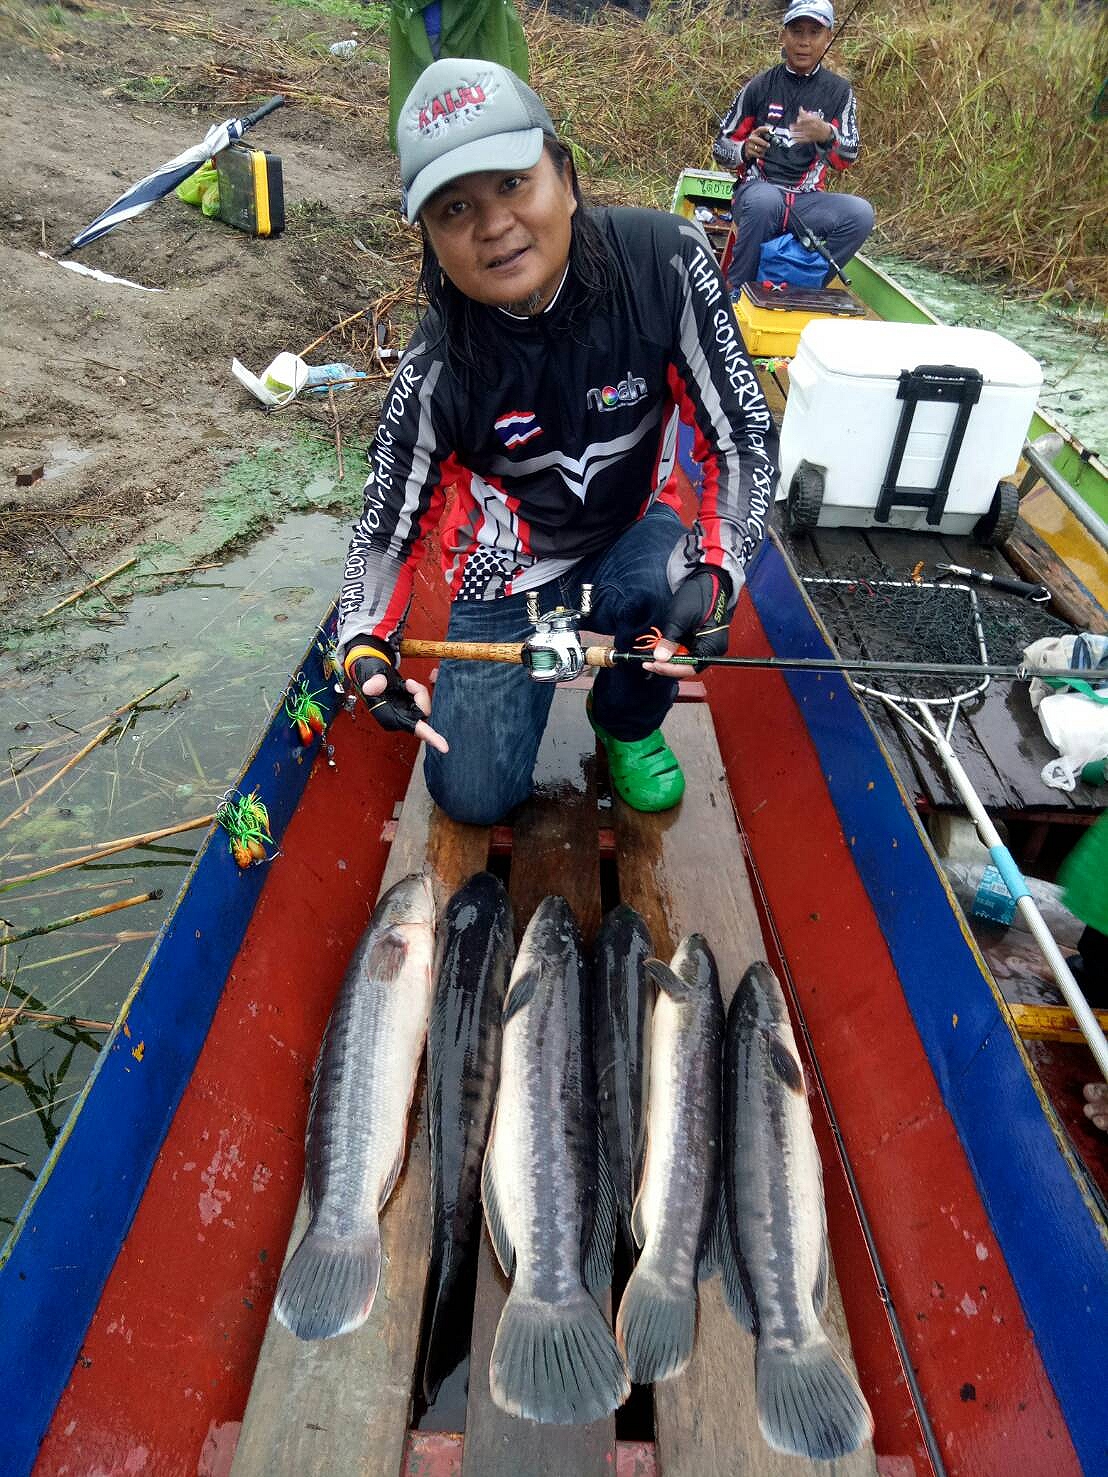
(784, 1063)
(393, 1174)
(708, 1255)
(665, 979)
(521, 992)
(819, 1290)
(386, 956)
(736, 1287)
(597, 1263)
(494, 1215)
(638, 1218)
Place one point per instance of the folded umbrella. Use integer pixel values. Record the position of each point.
(138, 197)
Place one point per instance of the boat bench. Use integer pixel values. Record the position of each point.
(345, 1407)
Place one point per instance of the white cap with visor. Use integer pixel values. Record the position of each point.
(811, 10)
(464, 116)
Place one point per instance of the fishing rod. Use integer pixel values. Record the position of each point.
(543, 662)
(850, 16)
(553, 652)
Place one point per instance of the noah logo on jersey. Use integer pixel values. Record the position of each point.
(611, 397)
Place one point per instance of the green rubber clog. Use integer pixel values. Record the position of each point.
(645, 772)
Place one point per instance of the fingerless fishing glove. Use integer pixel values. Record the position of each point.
(697, 617)
(395, 708)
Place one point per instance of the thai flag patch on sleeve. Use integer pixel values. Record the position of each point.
(517, 427)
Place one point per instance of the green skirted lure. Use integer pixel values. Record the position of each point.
(246, 821)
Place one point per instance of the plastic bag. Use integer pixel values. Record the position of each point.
(783, 259)
(201, 188)
(1074, 721)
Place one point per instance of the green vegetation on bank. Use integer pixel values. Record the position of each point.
(980, 151)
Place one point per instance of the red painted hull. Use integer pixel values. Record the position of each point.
(165, 1370)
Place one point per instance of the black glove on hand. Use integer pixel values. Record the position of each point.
(395, 708)
(697, 616)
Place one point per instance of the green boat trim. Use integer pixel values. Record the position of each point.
(1086, 473)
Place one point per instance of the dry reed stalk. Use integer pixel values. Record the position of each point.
(103, 579)
(14, 1015)
(88, 857)
(53, 780)
(75, 918)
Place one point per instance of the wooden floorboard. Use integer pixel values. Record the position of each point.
(554, 850)
(684, 872)
(342, 1407)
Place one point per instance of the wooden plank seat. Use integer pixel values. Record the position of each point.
(344, 1407)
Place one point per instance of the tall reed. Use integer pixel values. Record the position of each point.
(980, 151)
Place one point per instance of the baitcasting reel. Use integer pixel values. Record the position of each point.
(553, 652)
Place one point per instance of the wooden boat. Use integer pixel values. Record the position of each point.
(968, 1238)
(1064, 520)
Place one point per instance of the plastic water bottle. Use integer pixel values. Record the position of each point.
(323, 377)
(981, 891)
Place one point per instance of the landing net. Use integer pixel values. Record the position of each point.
(880, 617)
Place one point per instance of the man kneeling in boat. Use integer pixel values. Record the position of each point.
(544, 388)
(781, 134)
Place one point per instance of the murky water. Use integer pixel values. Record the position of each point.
(1075, 362)
(232, 635)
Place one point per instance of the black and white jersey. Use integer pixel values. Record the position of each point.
(566, 434)
(773, 99)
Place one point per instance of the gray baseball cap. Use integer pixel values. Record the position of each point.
(464, 116)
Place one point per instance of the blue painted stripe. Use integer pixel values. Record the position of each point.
(65, 1243)
(1050, 1238)
(1011, 875)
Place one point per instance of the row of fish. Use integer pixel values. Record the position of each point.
(570, 1099)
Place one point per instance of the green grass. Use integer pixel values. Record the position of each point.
(364, 17)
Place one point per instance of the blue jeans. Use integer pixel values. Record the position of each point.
(843, 221)
(493, 714)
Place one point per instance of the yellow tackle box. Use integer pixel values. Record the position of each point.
(771, 319)
(251, 190)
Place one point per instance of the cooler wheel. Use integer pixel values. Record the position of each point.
(997, 525)
(805, 499)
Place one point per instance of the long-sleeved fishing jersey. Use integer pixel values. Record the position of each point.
(774, 99)
(566, 433)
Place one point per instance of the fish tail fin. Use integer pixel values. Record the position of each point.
(809, 1403)
(556, 1362)
(329, 1283)
(656, 1325)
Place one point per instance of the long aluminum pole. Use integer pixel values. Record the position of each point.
(1014, 881)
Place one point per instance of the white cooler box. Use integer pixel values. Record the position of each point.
(905, 425)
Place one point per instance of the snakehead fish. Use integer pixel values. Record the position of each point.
(476, 951)
(773, 1239)
(621, 1047)
(358, 1119)
(548, 1198)
(676, 1205)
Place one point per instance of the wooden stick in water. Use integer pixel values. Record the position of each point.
(113, 846)
(54, 778)
(104, 578)
(150, 691)
(14, 1015)
(127, 902)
